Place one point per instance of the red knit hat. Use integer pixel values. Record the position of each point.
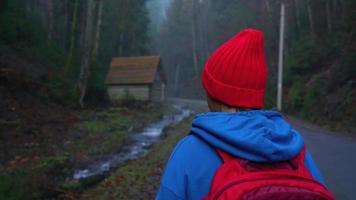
(236, 73)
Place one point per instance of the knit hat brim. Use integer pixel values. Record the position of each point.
(232, 95)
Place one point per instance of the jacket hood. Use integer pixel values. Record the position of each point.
(261, 136)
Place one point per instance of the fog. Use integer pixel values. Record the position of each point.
(157, 13)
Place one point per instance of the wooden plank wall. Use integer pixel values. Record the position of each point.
(139, 92)
(156, 91)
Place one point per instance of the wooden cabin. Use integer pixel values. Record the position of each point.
(141, 78)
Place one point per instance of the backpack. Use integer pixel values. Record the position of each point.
(240, 179)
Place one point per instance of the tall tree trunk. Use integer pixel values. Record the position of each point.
(98, 30)
(72, 36)
(268, 8)
(204, 31)
(50, 8)
(66, 27)
(297, 15)
(310, 17)
(194, 41)
(328, 16)
(207, 29)
(87, 49)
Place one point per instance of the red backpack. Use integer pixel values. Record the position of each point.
(240, 179)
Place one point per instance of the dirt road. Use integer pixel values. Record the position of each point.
(335, 153)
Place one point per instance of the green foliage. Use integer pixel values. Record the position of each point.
(9, 184)
(111, 127)
(25, 27)
(58, 166)
(15, 28)
(271, 93)
(311, 107)
(113, 121)
(30, 182)
(94, 126)
(142, 176)
(320, 38)
(304, 57)
(296, 94)
(20, 183)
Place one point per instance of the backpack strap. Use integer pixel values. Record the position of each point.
(297, 163)
(301, 155)
(231, 160)
(225, 156)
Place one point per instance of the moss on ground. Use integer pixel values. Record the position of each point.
(96, 133)
(139, 179)
(107, 130)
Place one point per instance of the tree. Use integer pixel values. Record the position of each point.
(98, 29)
(194, 38)
(72, 36)
(87, 52)
(50, 5)
(311, 18)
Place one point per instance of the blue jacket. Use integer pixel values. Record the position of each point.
(262, 136)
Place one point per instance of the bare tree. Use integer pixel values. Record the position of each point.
(206, 29)
(310, 17)
(328, 16)
(66, 24)
(194, 39)
(72, 35)
(98, 30)
(268, 8)
(297, 14)
(87, 49)
(50, 7)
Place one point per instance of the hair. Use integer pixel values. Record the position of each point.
(218, 106)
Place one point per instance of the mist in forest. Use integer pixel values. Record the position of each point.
(78, 39)
(57, 115)
(319, 40)
(157, 13)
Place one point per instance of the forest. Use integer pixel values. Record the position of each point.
(75, 41)
(319, 74)
(55, 56)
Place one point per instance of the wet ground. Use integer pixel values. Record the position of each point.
(335, 155)
(140, 142)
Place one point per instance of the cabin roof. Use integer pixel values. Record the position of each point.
(134, 70)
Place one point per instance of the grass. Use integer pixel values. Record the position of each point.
(94, 135)
(56, 165)
(23, 183)
(139, 179)
(108, 130)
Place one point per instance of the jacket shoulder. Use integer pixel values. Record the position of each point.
(192, 148)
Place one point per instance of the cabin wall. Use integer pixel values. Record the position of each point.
(158, 91)
(138, 92)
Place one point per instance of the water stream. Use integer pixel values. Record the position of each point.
(140, 142)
